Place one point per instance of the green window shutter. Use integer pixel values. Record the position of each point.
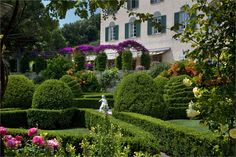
(116, 32)
(138, 29)
(106, 33)
(149, 27)
(176, 21)
(128, 4)
(126, 30)
(163, 23)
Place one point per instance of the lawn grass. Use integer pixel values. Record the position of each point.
(195, 124)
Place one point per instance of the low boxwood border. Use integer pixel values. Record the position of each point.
(176, 140)
(13, 118)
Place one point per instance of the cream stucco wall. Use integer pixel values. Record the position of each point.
(166, 7)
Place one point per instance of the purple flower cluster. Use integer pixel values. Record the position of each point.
(101, 48)
(134, 44)
(85, 48)
(66, 50)
(88, 66)
(96, 49)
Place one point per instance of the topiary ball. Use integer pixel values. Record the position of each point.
(138, 93)
(177, 97)
(73, 84)
(19, 92)
(52, 94)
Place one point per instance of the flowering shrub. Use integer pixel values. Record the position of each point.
(37, 146)
(85, 48)
(101, 48)
(87, 81)
(183, 67)
(88, 66)
(134, 44)
(32, 131)
(66, 50)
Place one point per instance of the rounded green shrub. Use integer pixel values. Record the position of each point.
(101, 61)
(177, 96)
(138, 93)
(118, 62)
(52, 94)
(157, 69)
(79, 61)
(145, 60)
(73, 84)
(127, 60)
(19, 92)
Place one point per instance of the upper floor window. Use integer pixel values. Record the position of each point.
(157, 25)
(112, 32)
(132, 29)
(155, 1)
(132, 4)
(181, 19)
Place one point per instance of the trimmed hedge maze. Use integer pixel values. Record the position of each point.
(177, 140)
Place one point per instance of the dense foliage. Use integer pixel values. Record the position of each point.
(52, 94)
(87, 81)
(40, 64)
(19, 92)
(72, 82)
(24, 64)
(177, 96)
(108, 78)
(145, 60)
(79, 61)
(138, 93)
(101, 61)
(127, 60)
(118, 62)
(57, 67)
(156, 69)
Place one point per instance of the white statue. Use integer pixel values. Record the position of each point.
(104, 105)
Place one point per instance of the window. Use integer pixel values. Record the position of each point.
(131, 4)
(112, 32)
(181, 20)
(157, 25)
(132, 29)
(155, 1)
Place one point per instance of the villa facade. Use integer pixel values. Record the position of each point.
(159, 41)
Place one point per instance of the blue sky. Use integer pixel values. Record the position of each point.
(70, 16)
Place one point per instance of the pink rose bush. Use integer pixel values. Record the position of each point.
(33, 145)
